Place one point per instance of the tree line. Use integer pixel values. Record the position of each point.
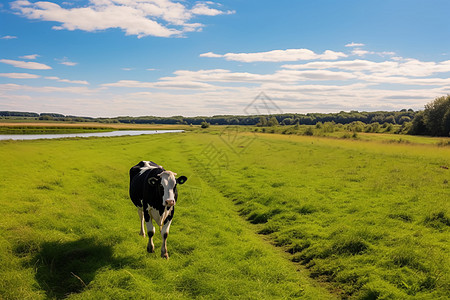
(433, 120)
(391, 117)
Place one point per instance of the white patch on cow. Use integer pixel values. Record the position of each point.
(141, 217)
(147, 166)
(168, 181)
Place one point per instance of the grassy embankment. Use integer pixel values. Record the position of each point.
(68, 229)
(367, 219)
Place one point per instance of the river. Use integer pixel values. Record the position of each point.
(88, 134)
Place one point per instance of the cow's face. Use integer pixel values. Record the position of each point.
(169, 184)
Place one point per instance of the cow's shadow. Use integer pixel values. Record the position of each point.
(63, 268)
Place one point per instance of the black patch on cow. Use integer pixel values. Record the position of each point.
(150, 234)
(181, 179)
(154, 181)
(170, 216)
(165, 235)
(146, 215)
(141, 193)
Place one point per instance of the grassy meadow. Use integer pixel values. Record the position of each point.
(262, 216)
(68, 229)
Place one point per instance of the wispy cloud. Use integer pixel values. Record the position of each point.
(67, 80)
(32, 56)
(205, 10)
(403, 67)
(162, 18)
(19, 75)
(65, 61)
(25, 64)
(47, 89)
(361, 52)
(8, 37)
(277, 55)
(352, 44)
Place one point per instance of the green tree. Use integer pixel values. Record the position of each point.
(288, 121)
(272, 122)
(437, 116)
(262, 121)
(434, 119)
(390, 119)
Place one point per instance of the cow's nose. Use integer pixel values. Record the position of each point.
(170, 202)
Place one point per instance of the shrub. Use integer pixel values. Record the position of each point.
(309, 131)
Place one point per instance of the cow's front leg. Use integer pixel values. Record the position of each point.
(151, 232)
(164, 235)
(141, 219)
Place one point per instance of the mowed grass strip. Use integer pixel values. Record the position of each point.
(371, 219)
(69, 230)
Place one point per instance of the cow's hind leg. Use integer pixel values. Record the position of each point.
(151, 232)
(141, 219)
(164, 235)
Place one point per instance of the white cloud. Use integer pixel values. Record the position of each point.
(65, 61)
(203, 9)
(163, 84)
(352, 44)
(19, 75)
(130, 84)
(162, 18)
(397, 67)
(211, 54)
(32, 56)
(47, 89)
(8, 37)
(69, 63)
(277, 55)
(226, 76)
(360, 52)
(25, 64)
(67, 80)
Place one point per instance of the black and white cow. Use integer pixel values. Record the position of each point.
(153, 191)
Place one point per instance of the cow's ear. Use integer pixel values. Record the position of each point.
(153, 181)
(181, 179)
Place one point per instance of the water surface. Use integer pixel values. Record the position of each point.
(86, 134)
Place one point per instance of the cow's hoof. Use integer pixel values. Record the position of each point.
(150, 250)
(165, 255)
(142, 234)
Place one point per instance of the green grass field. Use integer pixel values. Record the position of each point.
(262, 216)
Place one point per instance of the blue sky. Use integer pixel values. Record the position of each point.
(106, 58)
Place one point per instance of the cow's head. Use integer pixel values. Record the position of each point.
(167, 183)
